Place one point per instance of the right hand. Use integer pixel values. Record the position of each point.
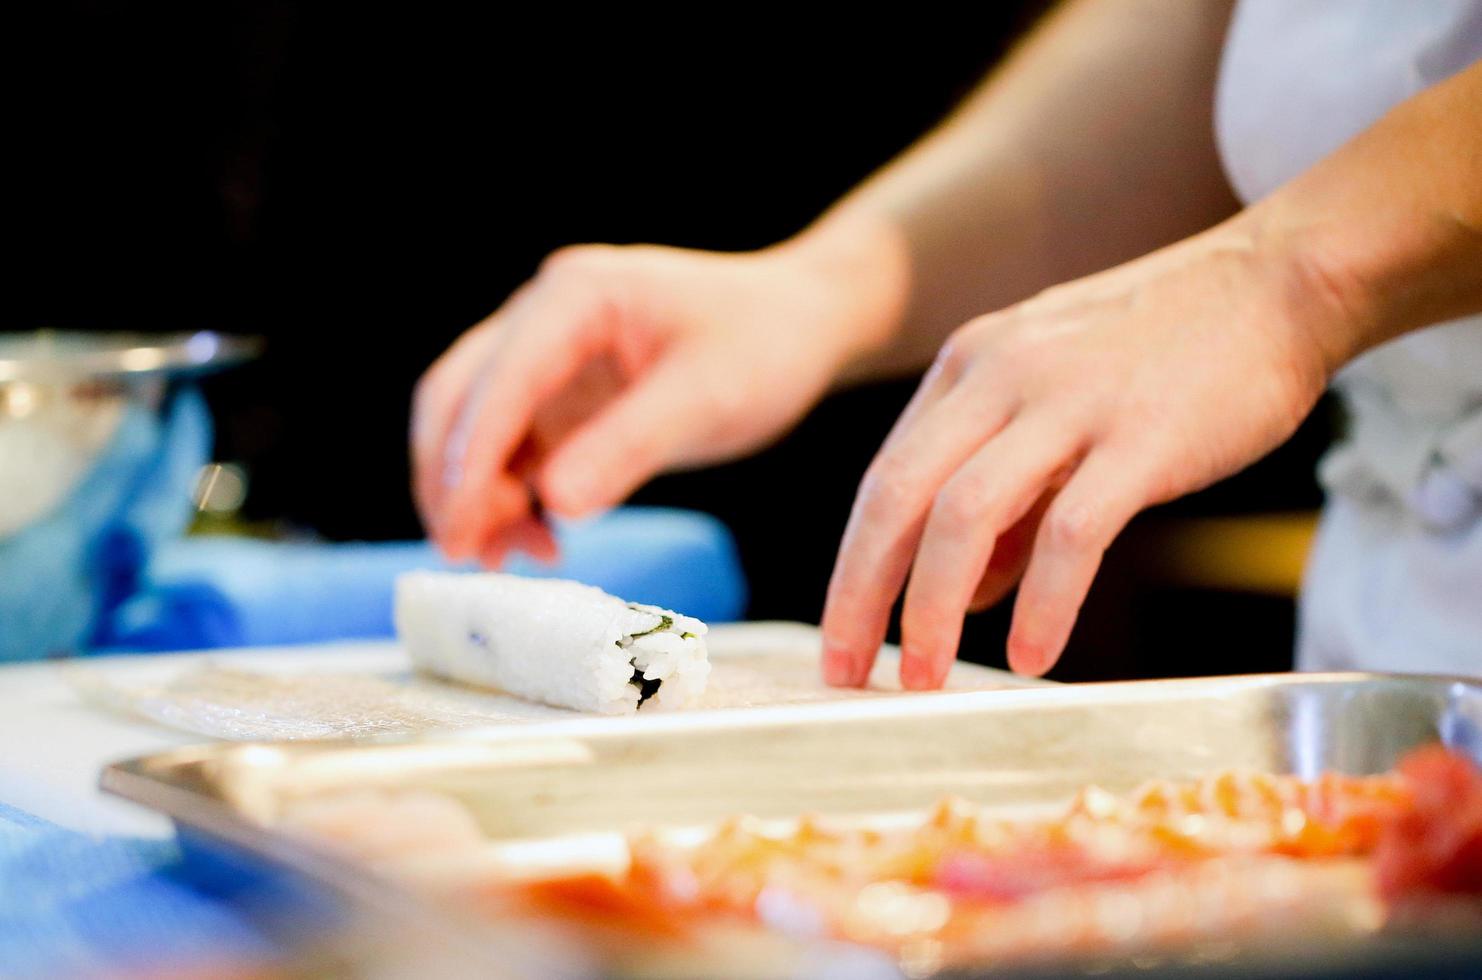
(616, 363)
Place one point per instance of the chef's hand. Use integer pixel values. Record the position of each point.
(616, 363)
(1042, 429)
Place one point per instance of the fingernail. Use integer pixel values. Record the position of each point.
(452, 473)
(1026, 657)
(573, 497)
(916, 673)
(838, 671)
(455, 452)
(554, 494)
(840, 668)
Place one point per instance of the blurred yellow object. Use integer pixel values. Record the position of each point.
(220, 488)
(1263, 553)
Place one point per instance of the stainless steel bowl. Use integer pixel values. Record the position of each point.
(63, 394)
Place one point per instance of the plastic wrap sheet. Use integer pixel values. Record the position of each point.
(754, 664)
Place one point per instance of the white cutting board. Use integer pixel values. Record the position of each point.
(53, 743)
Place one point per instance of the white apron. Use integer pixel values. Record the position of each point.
(1394, 582)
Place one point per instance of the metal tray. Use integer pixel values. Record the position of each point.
(1011, 750)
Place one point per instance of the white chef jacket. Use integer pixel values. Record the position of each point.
(1395, 578)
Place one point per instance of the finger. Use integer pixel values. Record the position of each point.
(983, 499)
(493, 554)
(530, 535)
(626, 443)
(1010, 556)
(545, 348)
(941, 379)
(1105, 492)
(439, 397)
(932, 388)
(886, 521)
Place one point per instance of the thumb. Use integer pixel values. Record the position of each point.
(620, 448)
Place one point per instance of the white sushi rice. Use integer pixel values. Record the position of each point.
(557, 642)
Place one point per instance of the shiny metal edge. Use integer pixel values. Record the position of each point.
(81, 356)
(1008, 748)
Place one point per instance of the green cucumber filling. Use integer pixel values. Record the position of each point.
(664, 623)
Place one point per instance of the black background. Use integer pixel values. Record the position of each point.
(359, 187)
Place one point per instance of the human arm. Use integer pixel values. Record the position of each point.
(614, 364)
(1042, 429)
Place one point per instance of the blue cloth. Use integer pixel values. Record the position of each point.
(111, 569)
(204, 592)
(73, 905)
(62, 576)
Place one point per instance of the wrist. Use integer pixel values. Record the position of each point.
(861, 267)
(1315, 281)
(1365, 272)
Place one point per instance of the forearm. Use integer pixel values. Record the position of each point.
(1386, 233)
(1091, 145)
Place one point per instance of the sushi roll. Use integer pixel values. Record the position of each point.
(561, 643)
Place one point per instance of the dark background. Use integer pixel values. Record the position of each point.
(360, 187)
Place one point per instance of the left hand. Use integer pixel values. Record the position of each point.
(1041, 430)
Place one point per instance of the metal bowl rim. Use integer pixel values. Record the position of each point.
(82, 355)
